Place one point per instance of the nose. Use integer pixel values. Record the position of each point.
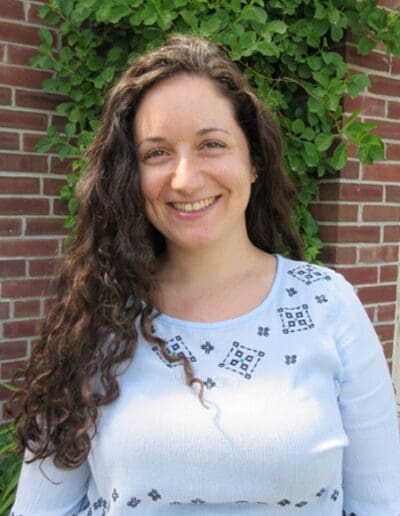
(187, 176)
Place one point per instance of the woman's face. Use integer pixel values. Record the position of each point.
(194, 163)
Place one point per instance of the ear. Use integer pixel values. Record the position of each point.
(253, 174)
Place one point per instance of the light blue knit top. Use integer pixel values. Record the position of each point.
(301, 418)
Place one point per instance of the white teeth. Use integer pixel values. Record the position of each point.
(194, 206)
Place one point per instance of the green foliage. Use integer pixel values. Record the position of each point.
(10, 465)
(289, 50)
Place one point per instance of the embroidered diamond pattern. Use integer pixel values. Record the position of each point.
(308, 274)
(242, 360)
(175, 347)
(295, 319)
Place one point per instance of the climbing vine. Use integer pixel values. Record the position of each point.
(290, 50)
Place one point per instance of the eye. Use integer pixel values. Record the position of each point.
(154, 154)
(214, 144)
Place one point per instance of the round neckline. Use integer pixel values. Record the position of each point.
(235, 320)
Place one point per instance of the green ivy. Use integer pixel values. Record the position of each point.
(290, 50)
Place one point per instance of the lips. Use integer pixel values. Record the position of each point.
(190, 207)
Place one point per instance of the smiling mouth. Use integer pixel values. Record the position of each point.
(195, 206)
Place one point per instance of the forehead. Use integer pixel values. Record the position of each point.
(180, 100)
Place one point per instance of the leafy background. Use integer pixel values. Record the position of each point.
(290, 50)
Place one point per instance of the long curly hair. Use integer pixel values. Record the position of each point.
(107, 283)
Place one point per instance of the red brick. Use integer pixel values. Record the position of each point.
(360, 192)
(12, 268)
(9, 141)
(22, 77)
(367, 105)
(382, 253)
(373, 61)
(19, 33)
(59, 122)
(4, 310)
(385, 331)
(60, 207)
(9, 369)
(335, 212)
(18, 329)
(21, 55)
(23, 163)
(370, 312)
(385, 129)
(377, 294)
(384, 85)
(381, 172)
(393, 193)
(30, 141)
(23, 120)
(13, 349)
(391, 233)
(33, 13)
(19, 185)
(25, 247)
(60, 167)
(26, 288)
(387, 312)
(43, 267)
(393, 110)
(392, 151)
(390, 4)
(359, 275)
(24, 206)
(329, 191)
(38, 100)
(335, 255)
(53, 186)
(12, 9)
(380, 213)
(10, 227)
(5, 95)
(29, 308)
(388, 273)
(349, 234)
(46, 226)
(395, 65)
(351, 170)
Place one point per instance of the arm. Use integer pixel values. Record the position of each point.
(45, 490)
(371, 464)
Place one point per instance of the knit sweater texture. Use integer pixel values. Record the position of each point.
(301, 418)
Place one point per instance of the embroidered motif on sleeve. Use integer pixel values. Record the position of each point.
(291, 291)
(209, 383)
(262, 331)
(290, 359)
(295, 319)
(207, 347)
(321, 299)
(133, 502)
(308, 274)
(242, 360)
(154, 495)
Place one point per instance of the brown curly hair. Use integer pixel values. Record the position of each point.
(107, 281)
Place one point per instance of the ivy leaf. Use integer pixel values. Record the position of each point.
(356, 83)
(339, 158)
(323, 141)
(311, 155)
(190, 18)
(371, 149)
(365, 45)
(277, 26)
(46, 37)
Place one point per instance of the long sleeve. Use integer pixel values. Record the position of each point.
(371, 468)
(45, 490)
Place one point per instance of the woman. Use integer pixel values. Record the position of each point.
(176, 274)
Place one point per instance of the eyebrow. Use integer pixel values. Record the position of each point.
(161, 139)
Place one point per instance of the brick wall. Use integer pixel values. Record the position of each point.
(359, 211)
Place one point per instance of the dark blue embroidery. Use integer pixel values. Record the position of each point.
(291, 291)
(241, 501)
(154, 495)
(262, 331)
(242, 360)
(175, 347)
(321, 492)
(100, 503)
(207, 347)
(284, 502)
(350, 513)
(209, 383)
(301, 504)
(133, 502)
(198, 500)
(290, 359)
(335, 495)
(308, 274)
(295, 319)
(321, 299)
(115, 495)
